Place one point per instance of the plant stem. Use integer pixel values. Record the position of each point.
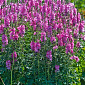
(45, 70)
(48, 71)
(44, 61)
(34, 67)
(11, 77)
(55, 64)
(38, 64)
(11, 74)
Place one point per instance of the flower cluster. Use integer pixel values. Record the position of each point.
(43, 36)
(4, 40)
(57, 68)
(1, 28)
(74, 57)
(21, 29)
(78, 44)
(13, 35)
(49, 55)
(8, 62)
(35, 46)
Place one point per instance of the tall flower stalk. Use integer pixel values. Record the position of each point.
(12, 66)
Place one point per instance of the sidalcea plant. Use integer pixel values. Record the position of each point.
(56, 26)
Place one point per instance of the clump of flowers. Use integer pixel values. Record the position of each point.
(43, 36)
(21, 29)
(78, 44)
(75, 58)
(4, 40)
(52, 39)
(1, 28)
(35, 46)
(8, 64)
(13, 35)
(49, 55)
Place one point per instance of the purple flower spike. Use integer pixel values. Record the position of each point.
(49, 55)
(14, 54)
(78, 44)
(8, 64)
(56, 68)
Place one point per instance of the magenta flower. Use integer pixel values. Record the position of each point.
(55, 47)
(58, 3)
(4, 40)
(72, 45)
(77, 59)
(68, 48)
(71, 51)
(14, 54)
(64, 38)
(10, 15)
(37, 46)
(43, 36)
(75, 11)
(21, 29)
(49, 55)
(78, 44)
(23, 10)
(8, 64)
(81, 27)
(4, 11)
(14, 17)
(74, 21)
(0, 13)
(13, 35)
(74, 57)
(16, 36)
(78, 17)
(56, 68)
(1, 2)
(59, 27)
(84, 37)
(60, 42)
(25, 1)
(1, 28)
(6, 21)
(52, 39)
(32, 44)
(75, 35)
(34, 33)
(2, 49)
